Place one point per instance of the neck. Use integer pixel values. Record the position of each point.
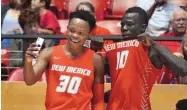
(74, 52)
(179, 34)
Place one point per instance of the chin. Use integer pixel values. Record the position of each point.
(129, 37)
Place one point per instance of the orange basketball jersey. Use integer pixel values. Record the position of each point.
(69, 81)
(132, 76)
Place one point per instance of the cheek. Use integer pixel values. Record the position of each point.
(83, 39)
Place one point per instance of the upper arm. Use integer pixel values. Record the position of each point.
(42, 61)
(177, 65)
(98, 69)
(155, 58)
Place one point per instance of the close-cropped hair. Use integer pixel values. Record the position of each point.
(142, 13)
(29, 16)
(84, 15)
(89, 5)
(182, 104)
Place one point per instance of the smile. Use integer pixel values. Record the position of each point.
(74, 41)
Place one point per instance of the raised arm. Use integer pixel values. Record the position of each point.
(157, 3)
(177, 65)
(98, 86)
(32, 73)
(151, 10)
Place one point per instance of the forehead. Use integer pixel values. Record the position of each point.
(130, 17)
(79, 23)
(180, 14)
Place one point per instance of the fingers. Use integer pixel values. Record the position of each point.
(34, 45)
(144, 39)
(32, 54)
(32, 50)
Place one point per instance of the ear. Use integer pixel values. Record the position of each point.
(94, 15)
(90, 34)
(144, 26)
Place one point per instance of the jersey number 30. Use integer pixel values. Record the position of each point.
(69, 84)
(121, 59)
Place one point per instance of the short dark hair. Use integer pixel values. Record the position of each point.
(182, 104)
(84, 15)
(47, 3)
(142, 14)
(89, 5)
(29, 16)
(25, 4)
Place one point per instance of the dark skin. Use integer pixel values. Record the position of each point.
(133, 26)
(78, 32)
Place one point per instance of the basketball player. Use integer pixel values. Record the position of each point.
(131, 64)
(75, 74)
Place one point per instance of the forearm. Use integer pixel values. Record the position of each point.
(30, 77)
(151, 10)
(98, 97)
(177, 65)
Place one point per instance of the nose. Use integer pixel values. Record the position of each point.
(75, 35)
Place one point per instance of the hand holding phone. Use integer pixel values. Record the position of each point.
(39, 43)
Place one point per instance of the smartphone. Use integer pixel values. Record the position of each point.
(39, 43)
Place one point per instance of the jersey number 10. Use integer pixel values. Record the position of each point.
(121, 59)
(71, 84)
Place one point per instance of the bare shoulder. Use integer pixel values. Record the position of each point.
(97, 58)
(98, 62)
(98, 69)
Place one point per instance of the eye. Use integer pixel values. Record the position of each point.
(129, 24)
(81, 33)
(72, 30)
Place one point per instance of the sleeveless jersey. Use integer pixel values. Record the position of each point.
(69, 81)
(132, 76)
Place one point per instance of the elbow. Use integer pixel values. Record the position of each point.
(182, 72)
(29, 83)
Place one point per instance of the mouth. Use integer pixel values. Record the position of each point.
(124, 34)
(181, 27)
(74, 41)
(128, 36)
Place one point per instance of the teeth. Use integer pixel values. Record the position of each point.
(74, 41)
